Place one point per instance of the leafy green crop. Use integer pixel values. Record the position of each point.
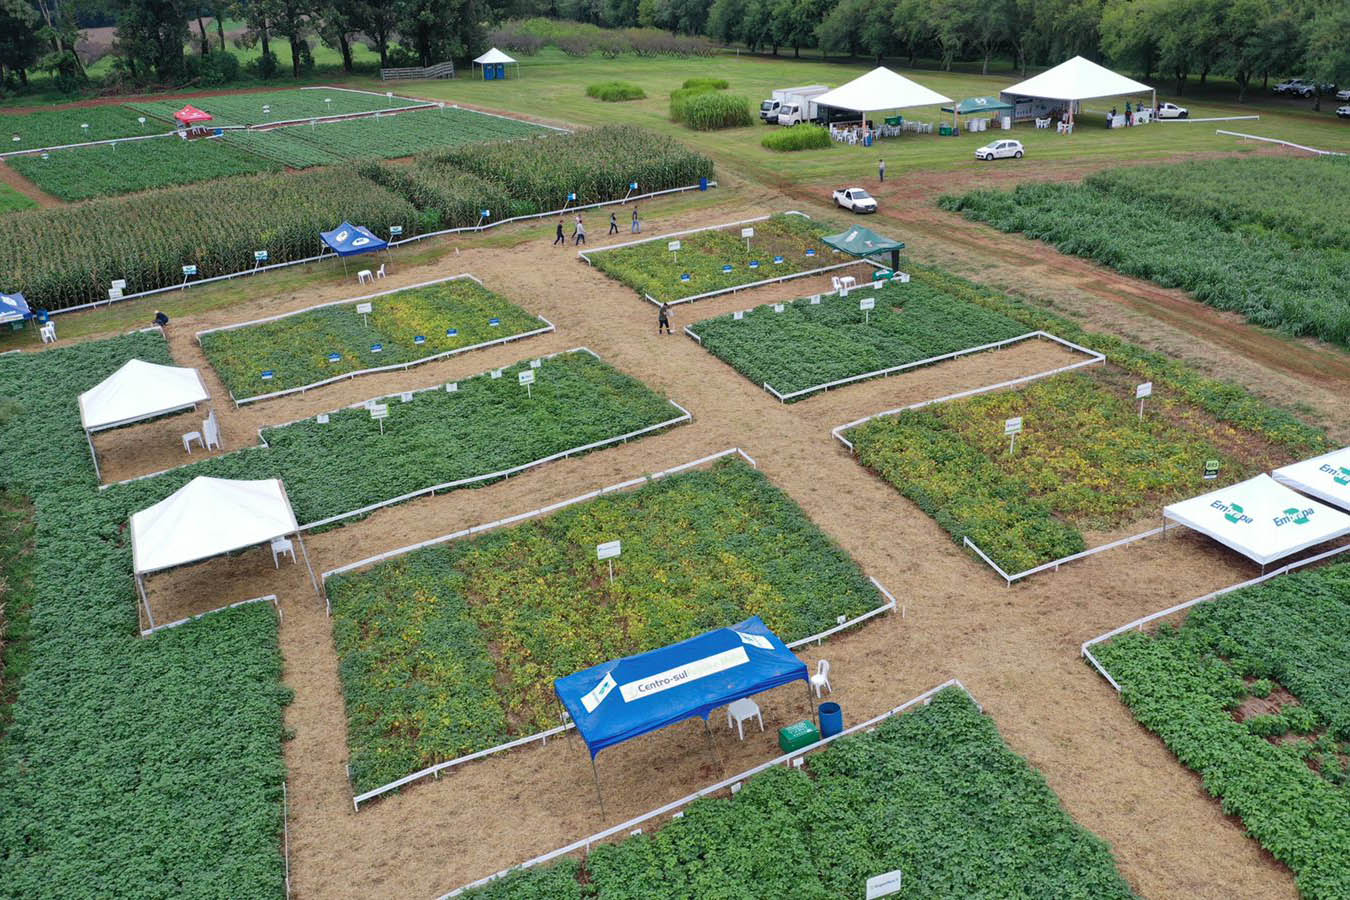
(799, 137)
(615, 91)
(1237, 256)
(1184, 685)
(110, 169)
(455, 648)
(1084, 460)
(487, 425)
(811, 344)
(287, 105)
(12, 201)
(57, 127)
(934, 793)
(133, 767)
(297, 347)
(651, 269)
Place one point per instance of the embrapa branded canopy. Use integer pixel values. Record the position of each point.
(624, 698)
(1260, 519)
(207, 517)
(348, 240)
(14, 308)
(1326, 477)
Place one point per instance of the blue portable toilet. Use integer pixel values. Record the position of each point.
(494, 64)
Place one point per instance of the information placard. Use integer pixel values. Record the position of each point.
(363, 309)
(883, 885)
(1144, 390)
(747, 232)
(673, 246)
(608, 550)
(1013, 426)
(526, 377)
(869, 303)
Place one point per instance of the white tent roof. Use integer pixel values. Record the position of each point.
(140, 390)
(1326, 477)
(494, 56)
(1077, 79)
(207, 517)
(1260, 519)
(881, 89)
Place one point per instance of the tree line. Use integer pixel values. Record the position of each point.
(1169, 41)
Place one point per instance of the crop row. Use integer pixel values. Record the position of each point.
(700, 550)
(1084, 460)
(55, 127)
(809, 344)
(1263, 274)
(282, 106)
(297, 349)
(934, 793)
(487, 425)
(652, 269)
(1283, 773)
(107, 170)
(133, 767)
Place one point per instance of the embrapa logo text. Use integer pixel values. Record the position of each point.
(1233, 512)
(1296, 516)
(1339, 474)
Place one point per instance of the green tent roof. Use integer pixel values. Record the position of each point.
(861, 241)
(979, 105)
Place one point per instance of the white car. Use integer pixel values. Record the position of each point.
(1000, 150)
(855, 199)
(1296, 86)
(1343, 112)
(1172, 111)
(1343, 95)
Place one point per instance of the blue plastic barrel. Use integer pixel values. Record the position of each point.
(831, 719)
(703, 184)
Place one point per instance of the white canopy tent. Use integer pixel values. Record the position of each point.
(1326, 477)
(1072, 81)
(138, 391)
(881, 89)
(207, 517)
(496, 57)
(1261, 519)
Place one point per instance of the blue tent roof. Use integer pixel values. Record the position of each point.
(348, 240)
(622, 699)
(14, 307)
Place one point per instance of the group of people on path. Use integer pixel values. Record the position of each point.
(579, 229)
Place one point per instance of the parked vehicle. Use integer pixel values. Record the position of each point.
(1000, 150)
(1172, 111)
(792, 106)
(1343, 111)
(1296, 87)
(855, 199)
(1343, 95)
(768, 111)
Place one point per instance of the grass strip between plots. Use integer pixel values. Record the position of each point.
(296, 349)
(1214, 691)
(454, 649)
(808, 344)
(934, 793)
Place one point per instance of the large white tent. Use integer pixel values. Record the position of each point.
(1070, 82)
(207, 517)
(880, 89)
(1326, 477)
(138, 391)
(1261, 519)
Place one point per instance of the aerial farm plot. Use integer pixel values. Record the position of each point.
(279, 106)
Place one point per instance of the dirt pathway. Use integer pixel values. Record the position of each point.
(1016, 649)
(13, 179)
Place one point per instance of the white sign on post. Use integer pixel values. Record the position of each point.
(120, 284)
(1012, 428)
(1142, 391)
(778, 307)
(609, 550)
(738, 315)
(747, 233)
(883, 885)
(379, 412)
(114, 293)
(536, 363)
(866, 306)
(526, 379)
(674, 247)
(363, 310)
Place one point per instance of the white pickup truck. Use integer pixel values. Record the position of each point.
(855, 199)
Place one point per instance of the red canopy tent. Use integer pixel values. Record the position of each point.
(191, 115)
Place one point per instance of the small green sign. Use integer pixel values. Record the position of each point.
(1211, 469)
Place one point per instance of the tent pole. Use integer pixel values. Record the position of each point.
(305, 553)
(146, 600)
(596, 775)
(93, 454)
(713, 744)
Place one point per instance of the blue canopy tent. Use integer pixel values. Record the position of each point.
(625, 698)
(14, 308)
(349, 240)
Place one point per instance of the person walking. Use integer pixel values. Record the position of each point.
(613, 224)
(637, 226)
(579, 236)
(1128, 117)
(881, 170)
(561, 238)
(663, 318)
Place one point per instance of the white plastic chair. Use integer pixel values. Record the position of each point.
(364, 275)
(48, 333)
(210, 432)
(743, 710)
(822, 677)
(282, 546)
(379, 273)
(834, 279)
(847, 282)
(189, 438)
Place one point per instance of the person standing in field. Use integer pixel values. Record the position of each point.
(637, 226)
(579, 236)
(613, 224)
(561, 238)
(881, 169)
(663, 318)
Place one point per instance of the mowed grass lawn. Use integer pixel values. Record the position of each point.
(553, 85)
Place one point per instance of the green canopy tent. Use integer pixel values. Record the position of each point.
(978, 106)
(864, 242)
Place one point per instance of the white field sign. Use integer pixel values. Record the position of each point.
(604, 548)
(365, 308)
